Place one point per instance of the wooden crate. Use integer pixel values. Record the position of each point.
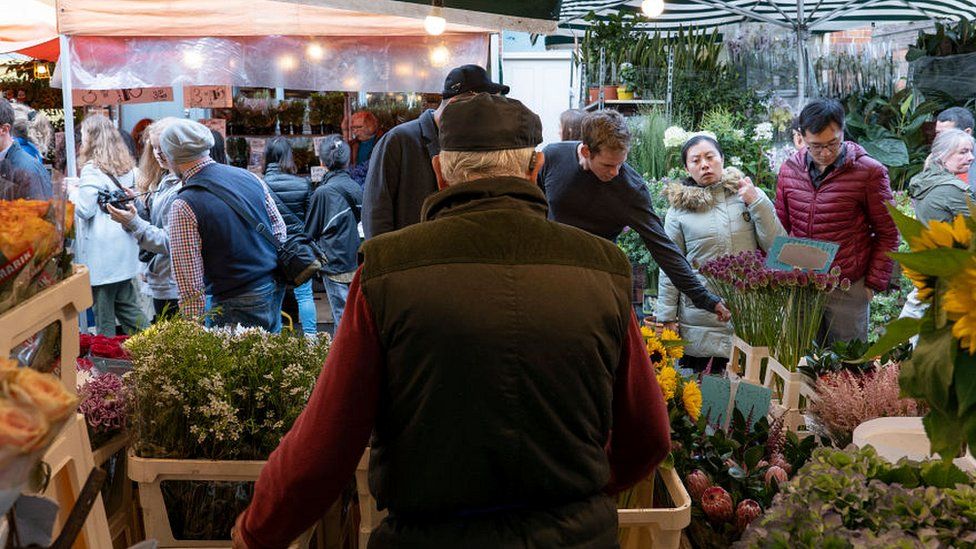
(791, 393)
(753, 357)
(123, 516)
(657, 528)
(71, 461)
(62, 302)
(149, 473)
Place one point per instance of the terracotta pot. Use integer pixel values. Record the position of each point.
(594, 94)
(609, 93)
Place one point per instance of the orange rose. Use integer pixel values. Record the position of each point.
(21, 427)
(43, 391)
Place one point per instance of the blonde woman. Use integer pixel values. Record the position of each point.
(110, 253)
(149, 225)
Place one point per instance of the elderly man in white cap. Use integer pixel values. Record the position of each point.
(214, 249)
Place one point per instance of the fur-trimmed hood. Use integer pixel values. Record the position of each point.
(688, 195)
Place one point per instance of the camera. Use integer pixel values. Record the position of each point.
(116, 198)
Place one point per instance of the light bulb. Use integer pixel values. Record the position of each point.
(434, 23)
(41, 69)
(287, 62)
(439, 56)
(652, 8)
(193, 59)
(314, 52)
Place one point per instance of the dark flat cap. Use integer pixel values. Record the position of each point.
(486, 122)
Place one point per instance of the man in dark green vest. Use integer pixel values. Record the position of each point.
(491, 353)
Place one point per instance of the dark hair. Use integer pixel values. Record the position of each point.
(819, 113)
(961, 117)
(696, 140)
(795, 125)
(278, 151)
(218, 152)
(571, 122)
(6, 112)
(334, 152)
(606, 129)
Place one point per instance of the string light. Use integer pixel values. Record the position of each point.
(440, 56)
(652, 8)
(435, 23)
(314, 52)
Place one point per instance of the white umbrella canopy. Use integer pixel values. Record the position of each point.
(802, 16)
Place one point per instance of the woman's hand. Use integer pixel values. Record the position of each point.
(747, 191)
(122, 216)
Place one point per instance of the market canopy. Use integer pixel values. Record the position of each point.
(30, 29)
(263, 43)
(816, 15)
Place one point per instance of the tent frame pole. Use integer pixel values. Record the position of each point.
(71, 168)
(840, 11)
(801, 58)
(743, 12)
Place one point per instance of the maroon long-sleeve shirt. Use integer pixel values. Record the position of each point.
(315, 460)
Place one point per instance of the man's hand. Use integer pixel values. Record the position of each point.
(673, 326)
(747, 191)
(235, 534)
(722, 312)
(122, 216)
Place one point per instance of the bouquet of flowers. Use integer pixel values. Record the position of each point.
(772, 308)
(103, 346)
(33, 406)
(31, 237)
(104, 402)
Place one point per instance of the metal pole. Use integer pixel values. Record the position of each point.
(801, 38)
(64, 60)
(669, 99)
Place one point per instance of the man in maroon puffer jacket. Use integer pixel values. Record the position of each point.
(832, 190)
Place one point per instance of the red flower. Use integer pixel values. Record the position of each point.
(747, 511)
(698, 482)
(84, 344)
(85, 364)
(717, 504)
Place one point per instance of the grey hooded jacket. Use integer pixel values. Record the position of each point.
(705, 223)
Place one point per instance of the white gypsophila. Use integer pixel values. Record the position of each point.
(675, 136)
(763, 132)
(739, 133)
(736, 161)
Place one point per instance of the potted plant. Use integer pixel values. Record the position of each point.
(629, 82)
(210, 404)
(325, 112)
(291, 114)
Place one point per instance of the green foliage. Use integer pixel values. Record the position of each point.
(697, 92)
(217, 394)
(648, 155)
(892, 130)
(946, 40)
(857, 499)
(743, 146)
(326, 109)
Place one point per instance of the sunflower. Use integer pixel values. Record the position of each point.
(674, 351)
(646, 332)
(938, 234)
(691, 397)
(656, 351)
(960, 304)
(668, 380)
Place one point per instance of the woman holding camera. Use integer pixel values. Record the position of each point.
(148, 226)
(110, 253)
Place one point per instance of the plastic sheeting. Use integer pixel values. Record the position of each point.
(334, 63)
(953, 76)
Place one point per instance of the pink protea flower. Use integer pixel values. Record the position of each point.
(717, 504)
(747, 511)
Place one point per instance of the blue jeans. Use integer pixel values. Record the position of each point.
(306, 307)
(259, 307)
(338, 292)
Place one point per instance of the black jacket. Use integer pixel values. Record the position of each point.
(502, 332)
(292, 191)
(22, 176)
(400, 176)
(333, 221)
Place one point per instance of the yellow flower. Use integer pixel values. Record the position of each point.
(673, 351)
(646, 332)
(656, 351)
(960, 304)
(941, 234)
(668, 380)
(691, 397)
